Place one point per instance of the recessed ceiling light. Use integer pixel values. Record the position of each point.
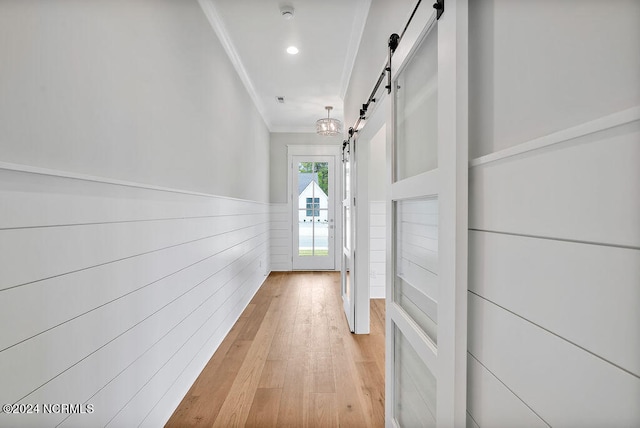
(292, 50)
(287, 12)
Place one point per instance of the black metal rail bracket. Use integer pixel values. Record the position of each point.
(394, 40)
(346, 150)
(439, 7)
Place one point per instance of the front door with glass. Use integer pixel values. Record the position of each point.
(313, 216)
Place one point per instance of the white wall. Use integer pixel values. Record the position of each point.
(124, 130)
(138, 90)
(571, 61)
(278, 158)
(377, 213)
(377, 249)
(385, 18)
(280, 237)
(117, 295)
(378, 166)
(554, 247)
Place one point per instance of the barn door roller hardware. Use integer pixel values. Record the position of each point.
(346, 149)
(346, 145)
(394, 40)
(439, 7)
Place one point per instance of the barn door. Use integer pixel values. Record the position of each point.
(427, 212)
(348, 238)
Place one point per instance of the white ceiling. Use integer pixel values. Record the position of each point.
(255, 35)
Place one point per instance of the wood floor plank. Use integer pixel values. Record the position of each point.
(372, 386)
(261, 306)
(205, 397)
(235, 408)
(248, 310)
(292, 412)
(349, 403)
(273, 374)
(281, 345)
(322, 410)
(377, 316)
(264, 409)
(321, 370)
(301, 341)
(290, 361)
(304, 314)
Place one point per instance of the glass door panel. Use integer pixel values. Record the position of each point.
(415, 387)
(313, 209)
(416, 100)
(416, 281)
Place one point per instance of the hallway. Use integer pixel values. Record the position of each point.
(184, 186)
(291, 361)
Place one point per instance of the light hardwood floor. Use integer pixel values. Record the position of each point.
(290, 361)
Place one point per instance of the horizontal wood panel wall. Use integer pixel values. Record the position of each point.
(554, 283)
(116, 294)
(377, 249)
(280, 228)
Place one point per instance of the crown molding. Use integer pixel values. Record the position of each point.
(210, 11)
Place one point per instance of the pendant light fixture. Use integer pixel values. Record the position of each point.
(329, 126)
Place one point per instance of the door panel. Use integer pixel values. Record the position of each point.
(427, 212)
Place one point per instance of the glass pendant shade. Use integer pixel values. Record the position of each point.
(329, 126)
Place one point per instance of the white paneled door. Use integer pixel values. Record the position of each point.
(427, 222)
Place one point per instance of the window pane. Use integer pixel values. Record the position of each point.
(322, 171)
(321, 237)
(416, 96)
(414, 400)
(416, 282)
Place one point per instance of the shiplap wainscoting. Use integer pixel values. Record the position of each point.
(554, 274)
(377, 249)
(116, 294)
(280, 230)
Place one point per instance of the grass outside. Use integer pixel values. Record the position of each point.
(309, 252)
